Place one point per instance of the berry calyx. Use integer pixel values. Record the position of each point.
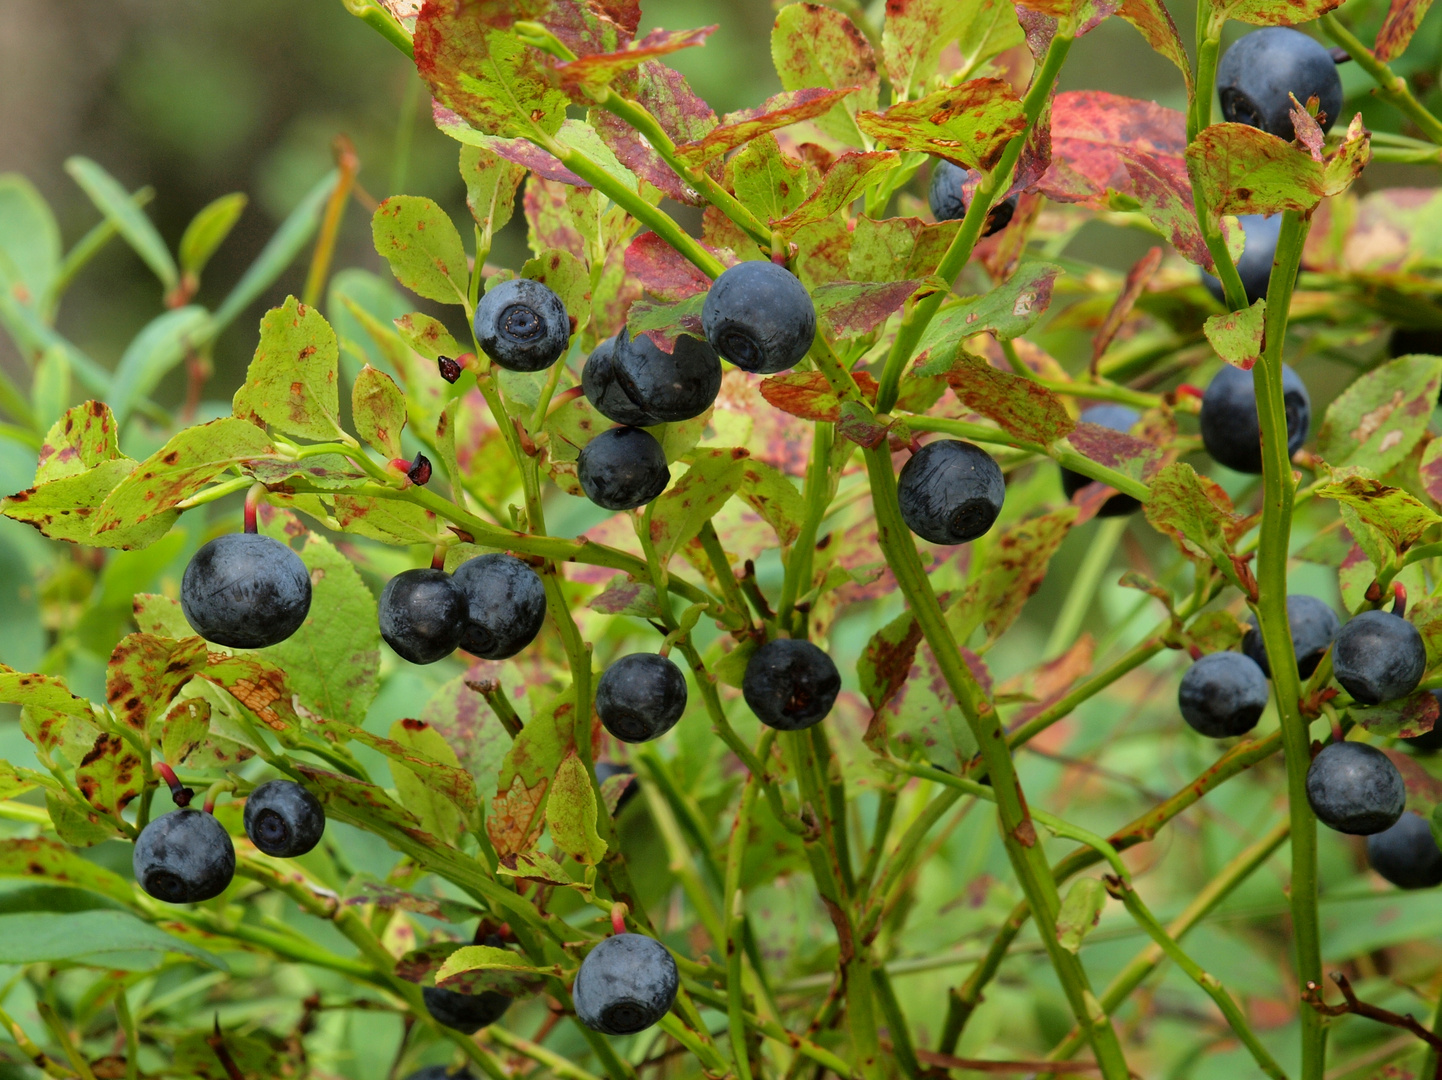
(522, 325)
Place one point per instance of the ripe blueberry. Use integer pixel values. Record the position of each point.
(522, 325)
(1429, 741)
(623, 468)
(506, 603)
(1230, 428)
(598, 383)
(950, 492)
(423, 615)
(626, 984)
(184, 857)
(1223, 694)
(672, 387)
(1314, 625)
(760, 317)
(1259, 248)
(283, 819)
(640, 697)
(441, 1072)
(1379, 657)
(1354, 788)
(1406, 855)
(605, 770)
(464, 1012)
(790, 684)
(245, 591)
(1117, 418)
(1259, 72)
(947, 196)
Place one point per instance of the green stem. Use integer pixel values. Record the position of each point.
(1274, 540)
(817, 496)
(1103, 545)
(725, 576)
(383, 22)
(1391, 87)
(735, 903)
(553, 1061)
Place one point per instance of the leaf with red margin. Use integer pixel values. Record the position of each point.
(854, 308)
(1093, 132)
(1085, 15)
(842, 182)
(808, 395)
(1243, 170)
(1237, 335)
(1018, 405)
(110, 776)
(1406, 719)
(1136, 282)
(83, 438)
(893, 249)
(1272, 12)
(664, 323)
(1137, 458)
(1162, 187)
(1403, 18)
(663, 271)
(886, 661)
(516, 816)
(1194, 511)
(815, 45)
(624, 595)
(596, 72)
(968, 124)
(684, 116)
(739, 128)
(146, 672)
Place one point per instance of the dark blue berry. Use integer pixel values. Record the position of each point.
(1259, 248)
(626, 984)
(1230, 428)
(1379, 657)
(622, 468)
(598, 383)
(1354, 788)
(1406, 854)
(947, 195)
(245, 591)
(1260, 74)
(672, 386)
(790, 684)
(283, 819)
(760, 317)
(1415, 340)
(1222, 695)
(506, 603)
(184, 857)
(1314, 625)
(464, 1012)
(950, 492)
(441, 1072)
(522, 325)
(1117, 418)
(423, 615)
(641, 697)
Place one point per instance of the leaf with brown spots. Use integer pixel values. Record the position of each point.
(258, 685)
(1013, 570)
(808, 395)
(844, 180)
(477, 969)
(1403, 18)
(145, 672)
(391, 521)
(624, 595)
(86, 436)
(1198, 516)
(110, 775)
(887, 660)
(774, 496)
(1405, 719)
(389, 898)
(77, 823)
(465, 721)
(419, 966)
(663, 323)
(1272, 12)
(64, 509)
(714, 476)
(379, 410)
(291, 382)
(160, 615)
(922, 717)
(662, 270)
(51, 716)
(1379, 418)
(1092, 134)
(358, 802)
(45, 860)
(969, 124)
(179, 469)
(1243, 170)
(424, 250)
(1237, 336)
(1424, 791)
(739, 128)
(1397, 516)
(517, 810)
(918, 32)
(591, 73)
(1007, 312)
(685, 117)
(1019, 405)
(815, 45)
(855, 308)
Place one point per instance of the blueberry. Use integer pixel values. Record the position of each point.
(1429, 741)
(1379, 657)
(1314, 625)
(1230, 428)
(441, 1072)
(605, 770)
(522, 325)
(283, 819)
(1223, 694)
(506, 603)
(950, 492)
(1117, 418)
(1354, 788)
(598, 383)
(640, 697)
(790, 684)
(947, 196)
(464, 1012)
(760, 317)
(672, 387)
(245, 591)
(184, 857)
(1259, 248)
(1410, 340)
(423, 615)
(1259, 72)
(1406, 855)
(626, 984)
(623, 468)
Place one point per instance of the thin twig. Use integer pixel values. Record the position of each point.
(1313, 997)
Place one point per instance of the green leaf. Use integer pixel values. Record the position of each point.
(917, 31)
(181, 468)
(571, 813)
(844, 180)
(52, 718)
(515, 820)
(30, 249)
(1272, 12)
(379, 410)
(739, 128)
(428, 791)
(153, 352)
(94, 938)
(392, 521)
(677, 516)
(1081, 910)
(474, 969)
(567, 277)
(428, 336)
(1008, 311)
(76, 823)
(1237, 335)
(1379, 418)
(1244, 170)
(291, 381)
(423, 248)
(129, 220)
(812, 45)
(1398, 517)
(767, 182)
(86, 436)
(968, 124)
(50, 392)
(62, 509)
(45, 860)
(774, 496)
(357, 801)
(1197, 514)
(208, 230)
(491, 183)
(1403, 719)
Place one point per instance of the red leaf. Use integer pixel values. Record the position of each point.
(808, 395)
(1091, 134)
(1403, 18)
(739, 128)
(599, 69)
(666, 95)
(853, 308)
(664, 271)
(1136, 283)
